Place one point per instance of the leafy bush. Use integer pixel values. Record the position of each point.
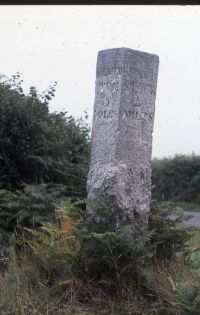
(80, 269)
(170, 235)
(114, 259)
(37, 146)
(177, 288)
(31, 206)
(43, 156)
(176, 179)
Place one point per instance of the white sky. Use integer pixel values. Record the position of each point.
(60, 43)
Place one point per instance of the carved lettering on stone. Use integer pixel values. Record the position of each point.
(124, 107)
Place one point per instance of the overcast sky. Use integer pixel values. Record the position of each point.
(60, 43)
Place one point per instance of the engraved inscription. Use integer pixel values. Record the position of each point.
(109, 71)
(130, 114)
(141, 76)
(133, 114)
(136, 114)
(123, 117)
(103, 114)
(138, 87)
(110, 86)
(107, 90)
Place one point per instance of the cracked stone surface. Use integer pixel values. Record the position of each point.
(124, 109)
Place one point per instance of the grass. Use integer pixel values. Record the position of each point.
(194, 245)
(48, 277)
(185, 206)
(24, 292)
(194, 242)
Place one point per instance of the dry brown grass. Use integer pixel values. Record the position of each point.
(19, 295)
(24, 292)
(170, 282)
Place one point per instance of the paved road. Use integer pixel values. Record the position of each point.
(194, 220)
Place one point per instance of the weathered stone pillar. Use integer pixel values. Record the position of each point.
(120, 170)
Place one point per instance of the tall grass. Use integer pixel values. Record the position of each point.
(66, 268)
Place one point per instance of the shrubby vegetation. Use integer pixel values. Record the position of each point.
(64, 267)
(37, 146)
(43, 156)
(177, 179)
(53, 260)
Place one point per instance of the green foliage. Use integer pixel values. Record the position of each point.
(115, 259)
(71, 266)
(176, 179)
(170, 235)
(177, 288)
(186, 296)
(43, 155)
(186, 206)
(118, 256)
(55, 246)
(31, 206)
(195, 259)
(37, 146)
(20, 291)
(65, 263)
(194, 245)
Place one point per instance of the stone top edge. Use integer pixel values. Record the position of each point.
(129, 49)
